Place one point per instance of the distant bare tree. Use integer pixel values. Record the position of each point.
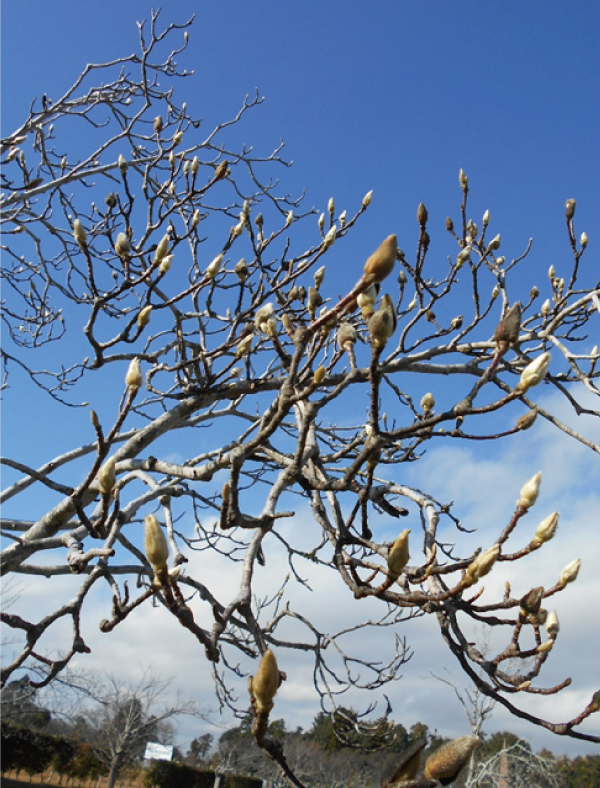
(118, 719)
(138, 245)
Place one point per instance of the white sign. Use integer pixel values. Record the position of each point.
(158, 752)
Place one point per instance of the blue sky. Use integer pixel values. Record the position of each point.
(394, 97)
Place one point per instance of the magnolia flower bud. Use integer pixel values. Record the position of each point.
(158, 124)
(398, 555)
(107, 477)
(319, 375)
(262, 315)
(534, 293)
(177, 137)
(456, 323)
(237, 230)
(382, 323)
(381, 263)
(196, 218)
(155, 543)
(526, 421)
(552, 625)
(331, 206)
(319, 276)
(122, 246)
(122, 163)
(330, 237)
(530, 491)
(427, 403)
(321, 222)
(551, 272)
(213, 268)
(463, 180)
(166, 264)
(546, 529)
(486, 218)
(264, 685)
(530, 604)
(161, 249)
(494, 243)
(570, 572)
(289, 218)
(543, 647)
(446, 763)
(463, 256)
(594, 704)
(595, 351)
(79, 234)
(143, 317)
(495, 292)
(315, 299)
(483, 564)
(367, 199)
(110, 200)
(584, 240)
(507, 330)
(412, 304)
(449, 224)
(368, 297)
(346, 334)
(422, 215)
(342, 218)
(534, 372)
(244, 346)
(195, 165)
(546, 307)
(570, 209)
(133, 378)
(241, 270)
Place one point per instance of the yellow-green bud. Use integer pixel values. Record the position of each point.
(551, 272)
(319, 276)
(196, 218)
(155, 543)
(107, 477)
(346, 334)
(79, 234)
(546, 529)
(162, 248)
(213, 268)
(382, 323)
(570, 209)
(262, 315)
(329, 239)
(158, 124)
(244, 346)
(486, 218)
(319, 375)
(177, 138)
(122, 163)
(584, 240)
(265, 683)
(166, 264)
(546, 307)
(331, 206)
(143, 317)
(398, 555)
(367, 199)
(463, 180)
(289, 218)
(195, 165)
(122, 245)
(241, 270)
(133, 378)
(483, 564)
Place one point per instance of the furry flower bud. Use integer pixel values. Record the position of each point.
(133, 378)
(584, 240)
(546, 529)
(530, 491)
(381, 263)
(79, 234)
(428, 403)
(155, 543)
(446, 763)
(482, 565)
(382, 323)
(367, 199)
(143, 317)
(265, 683)
(213, 268)
(570, 209)
(346, 335)
(534, 372)
(244, 346)
(107, 477)
(329, 239)
(552, 625)
(122, 246)
(161, 248)
(570, 572)
(122, 164)
(398, 555)
(241, 270)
